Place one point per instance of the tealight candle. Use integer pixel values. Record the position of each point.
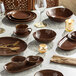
(42, 48)
(69, 25)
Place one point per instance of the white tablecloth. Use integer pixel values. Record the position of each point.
(32, 48)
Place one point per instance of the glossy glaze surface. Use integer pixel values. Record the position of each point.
(59, 14)
(10, 67)
(10, 41)
(20, 15)
(66, 44)
(72, 36)
(48, 73)
(44, 35)
(32, 17)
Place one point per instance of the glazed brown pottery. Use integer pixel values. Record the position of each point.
(11, 46)
(68, 42)
(48, 73)
(10, 67)
(32, 59)
(72, 36)
(20, 15)
(19, 61)
(32, 17)
(59, 14)
(44, 35)
(22, 29)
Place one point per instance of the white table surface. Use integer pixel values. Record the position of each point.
(32, 48)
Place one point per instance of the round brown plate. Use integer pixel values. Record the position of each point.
(11, 46)
(32, 17)
(21, 14)
(48, 73)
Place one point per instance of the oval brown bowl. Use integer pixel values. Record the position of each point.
(48, 73)
(44, 35)
(10, 67)
(59, 14)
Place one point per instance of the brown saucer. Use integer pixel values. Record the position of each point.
(22, 35)
(66, 44)
(32, 17)
(44, 35)
(11, 46)
(10, 67)
(21, 14)
(59, 14)
(48, 73)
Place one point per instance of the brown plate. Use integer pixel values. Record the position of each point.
(21, 14)
(10, 67)
(8, 42)
(44, 35)
(66, 44)
(48, 73)
(32, 17)
(59, 14)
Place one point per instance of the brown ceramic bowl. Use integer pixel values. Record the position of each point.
(32, 59)
(48, 72)
(44, 35)
(72, 36)
(59, 14)
(19, 61)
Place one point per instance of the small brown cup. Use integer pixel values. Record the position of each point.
(19, 61)
(32, 59)
(22, 29)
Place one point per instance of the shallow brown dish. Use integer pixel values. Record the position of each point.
(11, 42)
(66, 44)
(32, 17)
(10, 67)
(44, 35)
(32, 59)
(48, 73)
(21, 15)
(59, 14)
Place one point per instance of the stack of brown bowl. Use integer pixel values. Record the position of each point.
(21, 16)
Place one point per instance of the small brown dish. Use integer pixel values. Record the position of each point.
(68, 42)
(10, 67)
(32, 59)
(48, 73)
(11, 46)
(72, 36)
(44, 35)
(59, 14)
(19, 61)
